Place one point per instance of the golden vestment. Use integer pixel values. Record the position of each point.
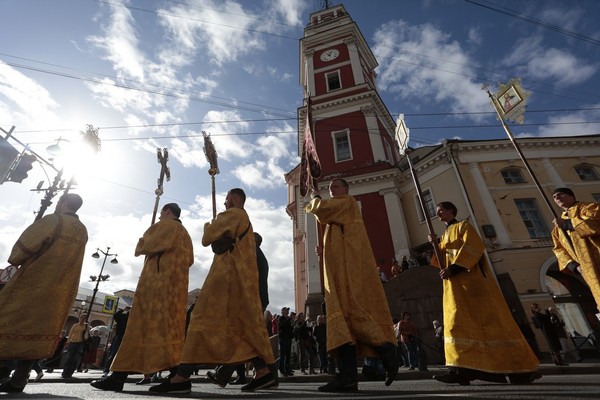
(227, 325)
(585, 218)
(155, 331)
(480, 332)
(357, 309)
(36, 302)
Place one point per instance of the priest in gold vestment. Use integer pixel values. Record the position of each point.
(36, 302)
(481, 338)
(359, 322)
(227, 324)
(155, 332)
(576, 238)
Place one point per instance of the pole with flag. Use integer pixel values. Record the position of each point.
(402, 136)
(211, 156)
(510, 103)
(163, 157)
(310, 165)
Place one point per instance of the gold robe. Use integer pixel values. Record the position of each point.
(585, 250)
(36, 302)
(479, 330)
(155, 332)
(227, 324)
(357, 309)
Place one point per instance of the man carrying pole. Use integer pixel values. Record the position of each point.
(476, 346)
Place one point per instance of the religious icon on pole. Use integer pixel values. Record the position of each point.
(510, 101)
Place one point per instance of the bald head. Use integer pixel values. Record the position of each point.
(69, 202)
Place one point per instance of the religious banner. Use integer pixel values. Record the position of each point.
(402, 134)
(510, 101)
(310, 166)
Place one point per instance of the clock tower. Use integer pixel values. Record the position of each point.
(354, 137)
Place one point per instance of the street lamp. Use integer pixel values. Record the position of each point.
(100, 277)
(79, 309)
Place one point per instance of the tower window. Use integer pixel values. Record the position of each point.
(532, 218)
(512, 175)
(333, 81)
(586, 173)
(341, 145)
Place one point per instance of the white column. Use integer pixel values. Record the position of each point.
(490, 207)
(374, 134)
(355, 62)
(396, 221)
(552, 174)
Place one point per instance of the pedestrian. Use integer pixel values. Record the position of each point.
(54, 361)
(359, 322)
(482, 339)
(408, 336)
(576, 238)
(230, 289)
(543, 321)
(49, 254)
(438, 331)
(155, 330)
(286, 335)
(120, 318)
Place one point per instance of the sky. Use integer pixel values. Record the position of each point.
(156, 74)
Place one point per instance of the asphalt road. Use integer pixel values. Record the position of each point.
(549, 387)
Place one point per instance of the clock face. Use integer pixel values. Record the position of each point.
(329, 55)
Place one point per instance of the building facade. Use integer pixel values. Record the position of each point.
(354, 135)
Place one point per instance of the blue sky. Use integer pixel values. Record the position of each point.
(154, 74)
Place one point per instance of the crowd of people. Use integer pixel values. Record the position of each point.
(157, 333)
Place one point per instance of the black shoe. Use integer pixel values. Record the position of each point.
(215, 379)
(168, 387)
(267, 381)
(338, 386)
(453, 377)
(524, 378)
(108, 384)
(8, 387)
(391, 365)
(144, 381)
(239, 381)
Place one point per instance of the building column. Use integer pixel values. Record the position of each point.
(490, 207)
(397, 222)
(374, 134)
(357, 72)
(552, 174)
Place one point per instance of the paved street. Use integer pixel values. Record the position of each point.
(576, 382)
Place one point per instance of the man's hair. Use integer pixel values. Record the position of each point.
(72, 200)
(239, 193)
(174, 209)
(343, 182)
(446, 205)
(564, 190)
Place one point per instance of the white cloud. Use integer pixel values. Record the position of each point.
(574, 123)
(121, 44)
(22, 95)
(530, 57)
(421, 61)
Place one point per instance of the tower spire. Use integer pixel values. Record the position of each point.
(325, 4)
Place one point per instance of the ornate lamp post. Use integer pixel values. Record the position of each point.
(79, 309)
(100, 277)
